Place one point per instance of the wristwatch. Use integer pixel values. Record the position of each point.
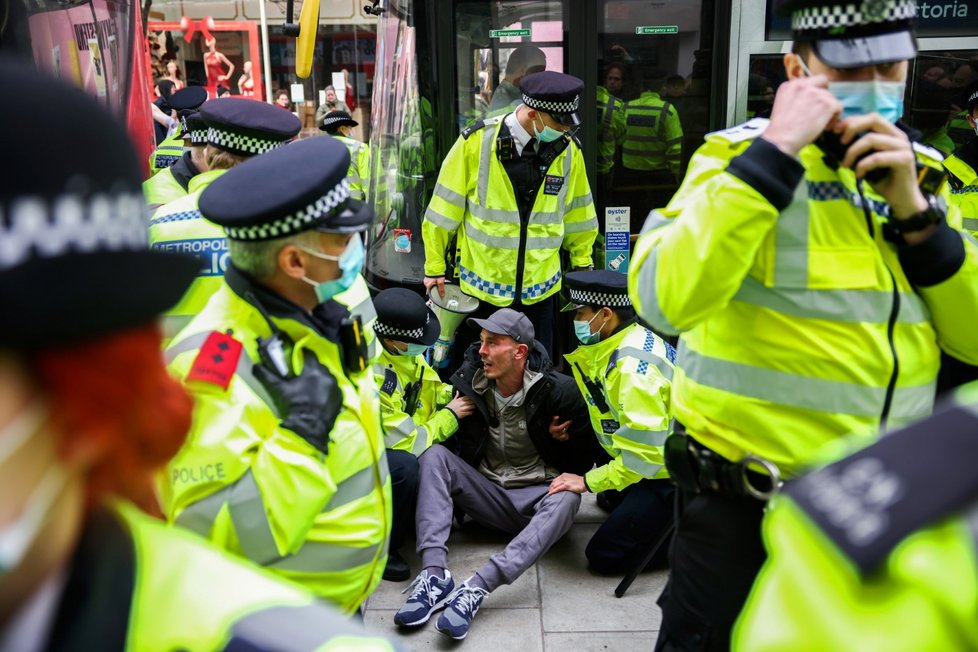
(895, 230)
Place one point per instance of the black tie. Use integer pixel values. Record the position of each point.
(530, 149)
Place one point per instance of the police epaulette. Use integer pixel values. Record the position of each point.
(740, 133)
(472, 128)
(390, 382)
(866, 504)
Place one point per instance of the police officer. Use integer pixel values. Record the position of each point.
(814, 280)
(285, 462)
(962, 167)
(514, 192)
(174, 182)
(88, 415)
(417, 409)
(172, 148)
(876, 551)
(237, 129)
(624, 372)
(611, 124)
(651, 152)
(339, 125)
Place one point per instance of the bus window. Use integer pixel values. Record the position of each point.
(498, 43)
(653, 96)
(936, 84)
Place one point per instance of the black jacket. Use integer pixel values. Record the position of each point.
(553, 395)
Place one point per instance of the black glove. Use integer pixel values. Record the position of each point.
(309, 402)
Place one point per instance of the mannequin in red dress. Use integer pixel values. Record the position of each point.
(246, 83)
(214, 62)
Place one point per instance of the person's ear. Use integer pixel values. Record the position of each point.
(793, 66)
(522, 350)
(290, 262)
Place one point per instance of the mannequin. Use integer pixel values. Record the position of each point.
(173, 75)
(246, 83)
(214, 63)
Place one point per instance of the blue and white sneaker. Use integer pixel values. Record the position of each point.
(430, 594)
(464, 604)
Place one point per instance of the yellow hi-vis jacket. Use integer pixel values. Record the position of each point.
(429, 423)
(633, 370)
(963, 181)
(653, 135)
(503, 259)
(799, 322)
(262, 492)
(160, 588)
(611, 128)
(359, 170)
(178, 227)
(162, 188)
(167, 152)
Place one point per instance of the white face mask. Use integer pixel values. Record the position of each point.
(16, 537)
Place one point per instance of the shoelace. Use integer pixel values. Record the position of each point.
(423, 586)
(469, 598)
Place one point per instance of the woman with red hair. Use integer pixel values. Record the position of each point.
(88, 415)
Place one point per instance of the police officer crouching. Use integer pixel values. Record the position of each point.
(286, 420)
(88, 414)
(417, 408)
(624, 372)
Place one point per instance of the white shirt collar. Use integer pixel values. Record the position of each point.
(520, 135)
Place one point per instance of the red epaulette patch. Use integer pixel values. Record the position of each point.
(217, 360)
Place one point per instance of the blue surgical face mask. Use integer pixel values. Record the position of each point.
(873, 96)
(547, 135)
(413, 350)
(350, 263)
(582, 329)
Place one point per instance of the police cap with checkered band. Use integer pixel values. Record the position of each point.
(554, 93)
(404, 316)
(194, 128)
(969, 98)
(299, 187)
(854, 33)
(337, 119)
(190, 97)
(74, 259)
(246, 127)
(597, 288)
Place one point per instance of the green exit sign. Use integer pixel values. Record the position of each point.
(657, 29)
(498, 33)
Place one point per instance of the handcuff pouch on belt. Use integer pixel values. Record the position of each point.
(697, 469)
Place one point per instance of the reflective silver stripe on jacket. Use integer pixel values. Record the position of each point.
(830, 396)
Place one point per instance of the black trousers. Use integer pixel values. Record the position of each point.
(715, 556)
(542, 315)
(404, 489)
(643, 512)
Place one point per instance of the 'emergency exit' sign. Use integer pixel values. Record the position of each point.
(657, 29)
(497, 33)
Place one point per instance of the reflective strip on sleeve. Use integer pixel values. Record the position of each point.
(581, 227)
(449, 195)
(646, 437)
(307, 628)
(440, 220)
(643, 467)
(645, 287)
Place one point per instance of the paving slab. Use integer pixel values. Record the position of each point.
(577, 600)
(590, 512)
(492, 630)
(599, 641)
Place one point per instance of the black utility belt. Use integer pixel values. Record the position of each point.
(697, 469)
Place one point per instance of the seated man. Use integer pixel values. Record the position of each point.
(624, 372)
(417, 408)
(510, 450)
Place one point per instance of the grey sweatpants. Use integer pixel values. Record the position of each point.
(536, 519)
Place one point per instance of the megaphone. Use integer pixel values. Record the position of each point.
(451, 310)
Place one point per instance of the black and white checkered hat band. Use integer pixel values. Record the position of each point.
(197, 136)
(550, 106)
(857, 13)
(37, 227)
(303, 220)
(595, 298)
(240, 143)
(974, 96)
(329, 121)
(386, 330)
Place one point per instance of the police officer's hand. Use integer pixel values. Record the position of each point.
(884, 146)
(803, 109)
(430, 281)
(461, 406)
(567, 482)
(309, 401)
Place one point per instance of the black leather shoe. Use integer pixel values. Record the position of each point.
(397, 569)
